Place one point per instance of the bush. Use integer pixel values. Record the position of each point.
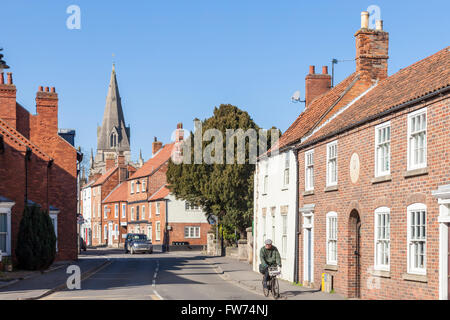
(36, 242)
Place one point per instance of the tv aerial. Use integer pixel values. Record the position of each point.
(296, 97)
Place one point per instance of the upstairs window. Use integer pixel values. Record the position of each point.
(105, 212)
(158, 208)
(124, 210)
(417, 139)
(286, 171)
(143, 186)
(132, 186)
(309, 170)
(383, 149)
(116, 211)
(266, 181)
(332, 164)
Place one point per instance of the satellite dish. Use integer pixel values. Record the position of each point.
(296, 97)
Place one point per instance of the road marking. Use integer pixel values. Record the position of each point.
(156, 296)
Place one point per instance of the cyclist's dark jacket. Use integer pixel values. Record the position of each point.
(270, 257)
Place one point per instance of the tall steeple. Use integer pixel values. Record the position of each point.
(113, 135)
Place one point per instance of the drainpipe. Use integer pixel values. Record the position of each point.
(167, 224)
(297, 232)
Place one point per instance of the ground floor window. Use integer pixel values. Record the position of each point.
(284, 236)
(4, 233)
(382, 238)
(158, 231)
(417, 222)
(54, 218)
(332, 238)
(191, 232)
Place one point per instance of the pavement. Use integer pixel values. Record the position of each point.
(241, 274)
(39, 284)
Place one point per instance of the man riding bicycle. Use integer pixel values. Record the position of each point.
(270, 257)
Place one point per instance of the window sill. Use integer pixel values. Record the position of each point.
(284, 188)
(331, 188)
(331, 267)
(415, 277)
(308, 193)
(415, 172)
(381, 273)
(381, 179)
(264, 194)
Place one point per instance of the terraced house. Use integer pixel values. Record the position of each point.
(374, 178)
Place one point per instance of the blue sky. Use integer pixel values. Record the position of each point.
(176, 60)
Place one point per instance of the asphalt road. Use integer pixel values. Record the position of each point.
(157, 276)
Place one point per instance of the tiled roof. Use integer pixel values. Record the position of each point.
(104, 177)
(154, 163)
(415, 81)
(119, 193)
(317, 109)
(160, 194)
(16, 137)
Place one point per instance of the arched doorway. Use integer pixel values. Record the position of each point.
(354, 255)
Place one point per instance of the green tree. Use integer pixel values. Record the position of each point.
(225, 190)
(36, 241)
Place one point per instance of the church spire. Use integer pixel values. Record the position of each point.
(113, 135)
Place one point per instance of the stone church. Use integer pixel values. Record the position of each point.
(113, 136)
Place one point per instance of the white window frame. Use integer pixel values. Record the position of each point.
(410, 253)
(309, 171)
(274, 228)
(329, 181)
(158, 231)
(116, 210)
(105, 212)
(286, 170)
(150, 232)
(105, 235)
(379, 172)
(284, 230)
(116, 231)
(124, 210)
(143, 186)
(132, 213)
(381, 239)
(332, 238)
(193, 232)
(143, 212)
(132, 187)
(158, 208)
(5, 208)
(412, 166)
(265, 184)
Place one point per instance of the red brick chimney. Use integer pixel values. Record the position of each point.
(110, 162)
(156, 145)
(372, 48)
(316, 84)
(47, 112)
(8, 100)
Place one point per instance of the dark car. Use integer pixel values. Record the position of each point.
(82, 244)
(137, 242)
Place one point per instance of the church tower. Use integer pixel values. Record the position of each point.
(113, 137)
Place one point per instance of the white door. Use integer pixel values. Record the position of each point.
(308, 248)
(149, 233)
(110, 234)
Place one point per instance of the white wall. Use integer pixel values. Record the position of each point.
(277, 195)
(87, 207)
(178, 213)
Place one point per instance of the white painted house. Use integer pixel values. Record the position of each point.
(86, 227)
(275, 208)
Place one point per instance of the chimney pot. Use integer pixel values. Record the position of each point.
(53, 89)
(364, 20)
(10, 79)
(325, 70)
(41, 88)
(46, 89)
(312, 69)
(379, 25)
(2, 79)
(180, 125)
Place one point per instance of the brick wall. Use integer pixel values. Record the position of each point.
(364, 197)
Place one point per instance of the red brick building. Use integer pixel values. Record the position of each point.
(36, 166)
(374, 175)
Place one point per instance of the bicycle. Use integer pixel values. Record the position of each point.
(272, 283)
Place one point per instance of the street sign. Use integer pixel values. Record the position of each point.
(212, 219)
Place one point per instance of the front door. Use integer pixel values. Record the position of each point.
(308, 249)
(309, 266)
(110, 233)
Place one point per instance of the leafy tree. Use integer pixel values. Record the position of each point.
(225, 190)
(36, 241)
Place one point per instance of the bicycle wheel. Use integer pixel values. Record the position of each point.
(275, 288)
(265, 290)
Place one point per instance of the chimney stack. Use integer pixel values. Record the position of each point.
(372, 48)
(47, 111)
(156, 146)
(110, 162)
(8, 107)
(316, 84)
(179, 133)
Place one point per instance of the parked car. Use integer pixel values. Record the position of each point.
(136, 242)
(82, 244)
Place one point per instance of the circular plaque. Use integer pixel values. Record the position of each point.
(354, 168)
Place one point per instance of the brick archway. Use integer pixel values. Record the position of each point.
(354, 255)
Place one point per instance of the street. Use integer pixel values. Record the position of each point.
(157, 276)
